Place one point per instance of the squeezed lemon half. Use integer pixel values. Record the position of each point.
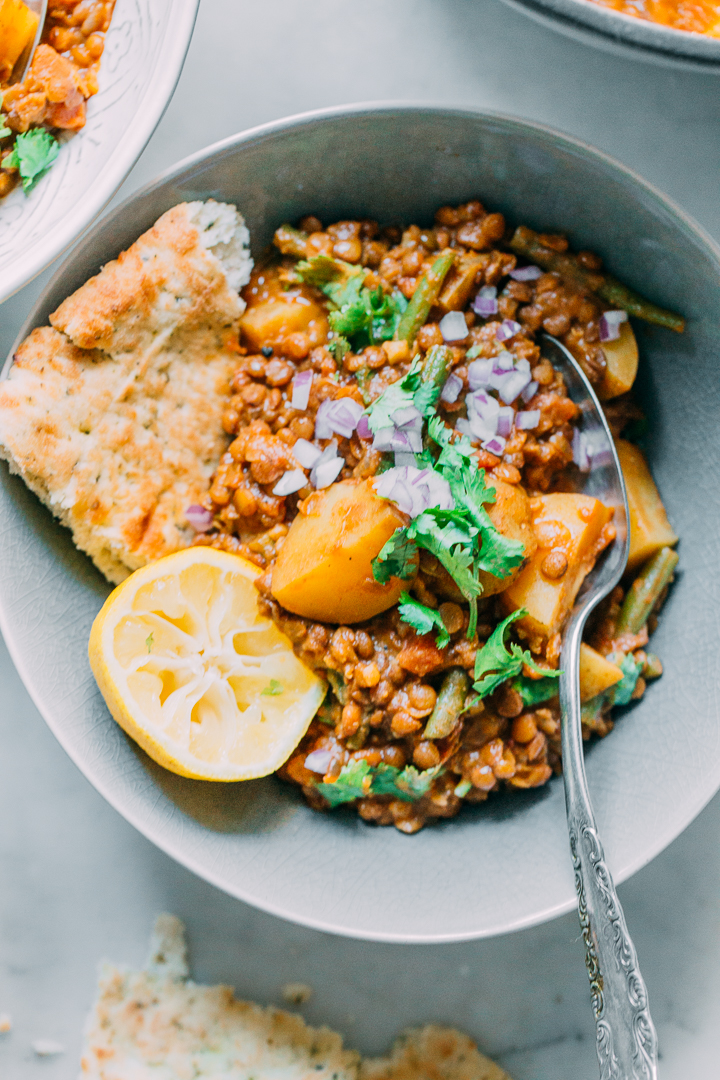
(192, 671)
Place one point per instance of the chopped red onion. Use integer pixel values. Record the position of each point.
(414, 490)
(301, 390)
(319, 761)
(526, 421)
(452, 388)
(327, 472)
(407, 417)
(329, 455)
(453, 326)
(610, 324)
(290, 482)
(306, 453)
(506, 416)
(363, 427)
(504, 361)
(529, 392)
(508, 328)
(200, 518)
(485, 303)
(513, 386)
(590, 450)
(402, 459)
(383, 439)
(496, 445)
(526, 273)
(338, 417)
(479, 373)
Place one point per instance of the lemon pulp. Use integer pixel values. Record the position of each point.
(194, 673)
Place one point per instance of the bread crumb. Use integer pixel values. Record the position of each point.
(47, 1047)
(296, 993)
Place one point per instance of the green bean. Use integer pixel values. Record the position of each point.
(449, 704)
(337, 684)
(426, 293)
(435, 368)
(525, 242)
(645, 591)
(291, 241)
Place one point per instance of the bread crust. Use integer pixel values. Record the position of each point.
(113, 414)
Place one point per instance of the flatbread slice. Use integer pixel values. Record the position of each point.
(432, 1053)
(159, 1025)
(113, 414)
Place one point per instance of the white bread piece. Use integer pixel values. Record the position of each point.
(113, 415)
(432, 1053)
(159, 1025)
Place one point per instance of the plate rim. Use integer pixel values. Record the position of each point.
(149, 831)
(155, 100)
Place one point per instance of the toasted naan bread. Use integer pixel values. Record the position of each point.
(113, 414)
(157, 1024)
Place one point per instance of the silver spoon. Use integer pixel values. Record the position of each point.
(625, 1035)
(24, 60)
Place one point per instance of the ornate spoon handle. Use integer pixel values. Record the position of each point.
(626, 1038)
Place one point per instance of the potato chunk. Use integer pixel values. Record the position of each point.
(621, 367)
(596, 673)
(274, 313)
(17, 29)
(649, 526)
(324, 569)
(570, 530)
(510, 514)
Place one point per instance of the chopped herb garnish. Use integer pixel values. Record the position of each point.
(423, 619)
(272, 689)
(495, 663)
(622, 692)
(358, 779)
(32, 155)
(360, 316)
(150, 641)
(397, 558)
(535, 691)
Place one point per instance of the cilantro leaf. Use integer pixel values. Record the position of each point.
(399, 395)
(32, 155)
(622, 692)
(272, 689)
(495, 664)
(150, 641)
(423, 619)
(361, 316)
(535, 691)
(397, 558)
(353, 783)
(358, 779)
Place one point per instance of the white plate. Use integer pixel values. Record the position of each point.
(144, 53)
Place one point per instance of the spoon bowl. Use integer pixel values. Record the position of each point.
(39, 7)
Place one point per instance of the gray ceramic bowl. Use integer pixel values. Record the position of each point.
(625, 35)
(505, 865)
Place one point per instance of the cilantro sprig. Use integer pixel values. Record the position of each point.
(360, 316)
(495, 663)
(33, 154)
(464, 540)
(423, 619)
(358, 779)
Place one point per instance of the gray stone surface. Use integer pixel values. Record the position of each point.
(77, 883)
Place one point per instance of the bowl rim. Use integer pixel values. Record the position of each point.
(251, 136)
(154, 102)
(638, 39)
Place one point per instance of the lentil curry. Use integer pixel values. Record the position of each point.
(403, 468)
(52, 97)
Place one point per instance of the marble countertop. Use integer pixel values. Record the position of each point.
(78, 884)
